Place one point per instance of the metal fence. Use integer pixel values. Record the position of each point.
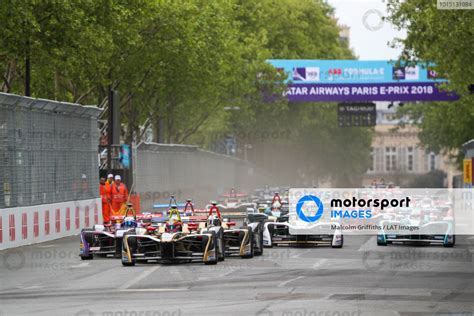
(189, 172)
(48, 151)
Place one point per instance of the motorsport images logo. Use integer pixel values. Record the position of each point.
(380, 211)
(356, 208)
(312, 205)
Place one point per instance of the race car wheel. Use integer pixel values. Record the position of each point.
(259, 249)
(251, 242)
(339, 246)
(381, 241)
(221, 246)
(88, 238)
(128, 264)
(132, 243)
(450, 244)
(271, 230)
(89, 257)
(213, 246)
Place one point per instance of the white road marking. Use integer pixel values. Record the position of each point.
(81, 265)
(319, 263)
(218, 276)
(154, 290)
(301, 253)
(282, 284)
(370, 244)
(140, 277)
(30, 287)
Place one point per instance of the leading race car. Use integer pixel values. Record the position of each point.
(174, 242)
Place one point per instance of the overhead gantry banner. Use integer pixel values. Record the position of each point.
(360, 81)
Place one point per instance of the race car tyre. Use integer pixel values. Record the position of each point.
(221, 246)
(88, 238)
(259, 250)
(128, 264)
(89, 257)
(381, 242)
(339, 246)
(213, 246)
(131, 242)
(252, 248)
(450, 244)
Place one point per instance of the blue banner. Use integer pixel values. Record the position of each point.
(360, 81)
(125, 156)
(353, 71)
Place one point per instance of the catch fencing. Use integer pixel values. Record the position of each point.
(48, 164)
(190, 172)
(48, 151)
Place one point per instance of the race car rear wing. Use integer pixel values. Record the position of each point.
(235, 212)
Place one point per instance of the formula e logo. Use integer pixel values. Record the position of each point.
(312, 205)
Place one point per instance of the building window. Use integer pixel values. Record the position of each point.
(372, 160)
(431, 161)
(390, 158)
(410, 159)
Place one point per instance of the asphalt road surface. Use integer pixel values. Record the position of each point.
(360, 279)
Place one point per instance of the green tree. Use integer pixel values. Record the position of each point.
(446, 38)
(179, 63)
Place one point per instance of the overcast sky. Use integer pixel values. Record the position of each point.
(368, 33)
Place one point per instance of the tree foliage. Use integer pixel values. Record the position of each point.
(178, 64)
(446, 38)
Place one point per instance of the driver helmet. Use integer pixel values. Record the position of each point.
(261, 209)
(213, 220)
(276, 205)
(172, 210)
(173, 227)
(129, 222)
(189, 211)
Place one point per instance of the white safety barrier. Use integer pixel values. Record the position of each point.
(20, 226)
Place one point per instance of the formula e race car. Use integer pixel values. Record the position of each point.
(278, 233)
(233, 198)
(174, 242)
(277, 229)
(246, 241)
(435, 231)
(106, 240)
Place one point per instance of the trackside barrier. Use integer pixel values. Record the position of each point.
(49, 182)
(20, 226)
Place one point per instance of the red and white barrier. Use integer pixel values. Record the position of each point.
(21, 226)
